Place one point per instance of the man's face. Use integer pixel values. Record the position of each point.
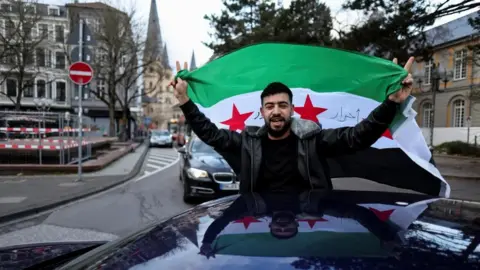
(277, 112)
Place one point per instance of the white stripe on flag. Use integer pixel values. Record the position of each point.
(80, 73)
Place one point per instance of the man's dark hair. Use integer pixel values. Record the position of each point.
(276, 88)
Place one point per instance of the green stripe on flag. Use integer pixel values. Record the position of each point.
(321, 69)
(322, 243)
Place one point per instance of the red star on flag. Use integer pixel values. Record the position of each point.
(311, 222)
(382, 215)
(387, 134)
(237, 121)
(308, 111)
(247, 221)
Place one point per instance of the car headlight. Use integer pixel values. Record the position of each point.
(197, 174)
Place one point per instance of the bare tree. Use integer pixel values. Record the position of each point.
(120, 43)
(20, 44)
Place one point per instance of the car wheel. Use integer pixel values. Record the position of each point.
(186, 193)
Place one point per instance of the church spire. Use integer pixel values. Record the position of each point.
(153, 47)
(165, 61)
(193, 65)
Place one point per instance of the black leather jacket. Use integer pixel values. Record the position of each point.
(243, 151)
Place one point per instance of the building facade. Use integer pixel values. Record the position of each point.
(452, 112)
(45, 73)
(94, 93)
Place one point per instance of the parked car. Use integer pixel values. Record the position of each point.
(339, 230)
(204, 173)
(161, 138)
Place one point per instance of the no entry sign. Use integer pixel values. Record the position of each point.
(80, 73)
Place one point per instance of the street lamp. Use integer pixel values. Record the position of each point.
(43, 104)
(438, 74)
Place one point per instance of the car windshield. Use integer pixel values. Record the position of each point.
(201, 147)
(161, 133)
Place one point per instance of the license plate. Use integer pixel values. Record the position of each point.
(234, 186)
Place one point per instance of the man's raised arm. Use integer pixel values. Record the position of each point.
(345, 140)
(220, 139)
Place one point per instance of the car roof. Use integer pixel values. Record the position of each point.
(369, 230)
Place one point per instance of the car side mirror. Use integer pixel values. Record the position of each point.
(182, 150)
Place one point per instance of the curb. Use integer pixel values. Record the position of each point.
(36, 210)
(455, 177)
(456, 157)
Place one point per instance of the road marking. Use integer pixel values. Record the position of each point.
(72, 184)
(162, 159)
(13, 181)
(159, 170)
(159, 162)
(153, 166)
(12, 199)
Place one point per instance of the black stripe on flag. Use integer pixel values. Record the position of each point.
(386, 166)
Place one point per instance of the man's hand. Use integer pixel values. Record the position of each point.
(401, 95)
(180, 88)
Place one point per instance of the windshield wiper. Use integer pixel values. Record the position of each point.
(62, 259)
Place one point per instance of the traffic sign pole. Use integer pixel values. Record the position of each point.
(80, 107)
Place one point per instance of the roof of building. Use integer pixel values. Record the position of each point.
(452, 31)
(154, 41)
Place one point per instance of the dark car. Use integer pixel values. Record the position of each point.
(204, 173)
(316, 230)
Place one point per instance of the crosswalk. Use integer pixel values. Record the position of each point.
(157, 159)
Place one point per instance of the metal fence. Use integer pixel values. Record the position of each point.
(44, 138)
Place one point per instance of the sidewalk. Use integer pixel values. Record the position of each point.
(22, 195)
(453, 167)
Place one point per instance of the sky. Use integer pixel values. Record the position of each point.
(184, 28)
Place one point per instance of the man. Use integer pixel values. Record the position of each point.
(288, 154)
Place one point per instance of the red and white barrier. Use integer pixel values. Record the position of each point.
(36, 146)
(40, 130)
(45, 140)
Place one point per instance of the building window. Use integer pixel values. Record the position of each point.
(41, 87)
(459, 113)
(50, 90)
(53, 12)
(59, 34)
(43, 31)
(101, 88)
(6, 7)
(40, 55)
(61, 91)
(27, 32)
(11, 88)
(460, 63)
(29, 9)
(60, 60)
(28, 89)
(151, 86)
(427, 112)
(10, 29)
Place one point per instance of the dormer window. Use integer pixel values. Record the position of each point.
(53, 11)
(30, 9)
(6, 7)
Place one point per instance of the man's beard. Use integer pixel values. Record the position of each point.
(280, 132)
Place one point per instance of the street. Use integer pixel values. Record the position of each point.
(154, 194)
